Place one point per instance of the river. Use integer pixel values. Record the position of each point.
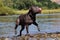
(47, 23)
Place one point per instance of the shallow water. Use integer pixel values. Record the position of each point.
(47, 23)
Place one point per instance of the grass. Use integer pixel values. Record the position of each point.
(21, 11)
(10, 11)
(46, 11)
(6, 10)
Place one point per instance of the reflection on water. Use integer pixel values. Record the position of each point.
(47, 23)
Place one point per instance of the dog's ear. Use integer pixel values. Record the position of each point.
(30, 9)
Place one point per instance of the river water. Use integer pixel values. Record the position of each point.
(47, 23)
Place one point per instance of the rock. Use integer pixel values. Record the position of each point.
(8, 39)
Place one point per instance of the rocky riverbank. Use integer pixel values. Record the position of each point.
(44, 36)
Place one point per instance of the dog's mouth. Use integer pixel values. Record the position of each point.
(38, 10)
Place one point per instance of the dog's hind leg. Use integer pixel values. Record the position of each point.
(22, 28)
(17, 23)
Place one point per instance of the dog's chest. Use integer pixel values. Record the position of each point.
(28, 19)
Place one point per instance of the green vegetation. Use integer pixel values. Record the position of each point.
(51, 11)
(10, 7)
(44, 11)
(6, 10)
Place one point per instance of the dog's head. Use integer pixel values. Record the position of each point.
(35, 9)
